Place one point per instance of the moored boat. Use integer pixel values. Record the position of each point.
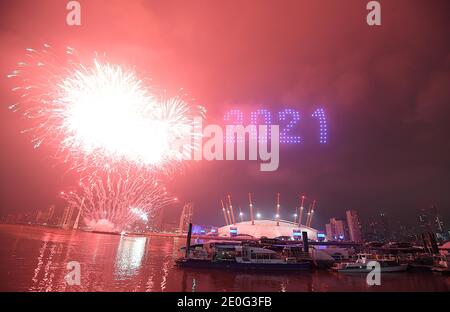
(361, 265)
(228, 256)
(442, 264)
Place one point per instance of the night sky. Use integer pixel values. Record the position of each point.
(386, 91)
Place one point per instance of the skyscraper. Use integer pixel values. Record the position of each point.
(431, 222)
(39, 217)
(66, 220)
(424, 221)
(371, 233)
(336, 230)
(354, 226)
(385, 229)
(436, 220)
(50, 214)
(329, 232)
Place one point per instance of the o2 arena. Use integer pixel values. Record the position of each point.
(267, 228)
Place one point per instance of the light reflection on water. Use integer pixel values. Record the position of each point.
(35, 259)
(129, 256)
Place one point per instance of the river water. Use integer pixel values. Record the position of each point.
(35, 259)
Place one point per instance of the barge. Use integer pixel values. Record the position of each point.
(241, 257)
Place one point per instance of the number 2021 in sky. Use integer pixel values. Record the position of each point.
(288, 119)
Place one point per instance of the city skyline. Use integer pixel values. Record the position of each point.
(346, 227)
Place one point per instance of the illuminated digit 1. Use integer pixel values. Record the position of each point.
(320, 114)
(284, 137)
(237, 120)
(267, 116)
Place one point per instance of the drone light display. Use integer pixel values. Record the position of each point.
(288, 119)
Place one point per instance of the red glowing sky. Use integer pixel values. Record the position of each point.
(386, 91)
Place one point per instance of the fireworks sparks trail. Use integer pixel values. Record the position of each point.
(108, 125)
(119, 199)
(101, 115)
(140, 213)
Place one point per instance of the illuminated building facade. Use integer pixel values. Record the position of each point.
(267, 228)
(336, 230)
(354, 226)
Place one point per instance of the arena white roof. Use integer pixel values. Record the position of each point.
(267, 228)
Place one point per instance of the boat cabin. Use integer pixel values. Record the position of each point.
(250, 254)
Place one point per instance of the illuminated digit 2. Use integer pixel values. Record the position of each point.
(284, 132)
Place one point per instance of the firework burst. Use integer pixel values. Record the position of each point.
(117, 200)
(101, 115)
(110, 126)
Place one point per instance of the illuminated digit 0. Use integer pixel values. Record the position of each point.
(233, 117)
(267, 117)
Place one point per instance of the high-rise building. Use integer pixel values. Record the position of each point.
(436, 221)
(371, 233)
(336, 230)
(66, 220)
(44, 217)
(424, 221)
(385, 229)
(329, 232)
(431, 222)
(404, 232)
(39, 217)
(50, 214)
(354, 226)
